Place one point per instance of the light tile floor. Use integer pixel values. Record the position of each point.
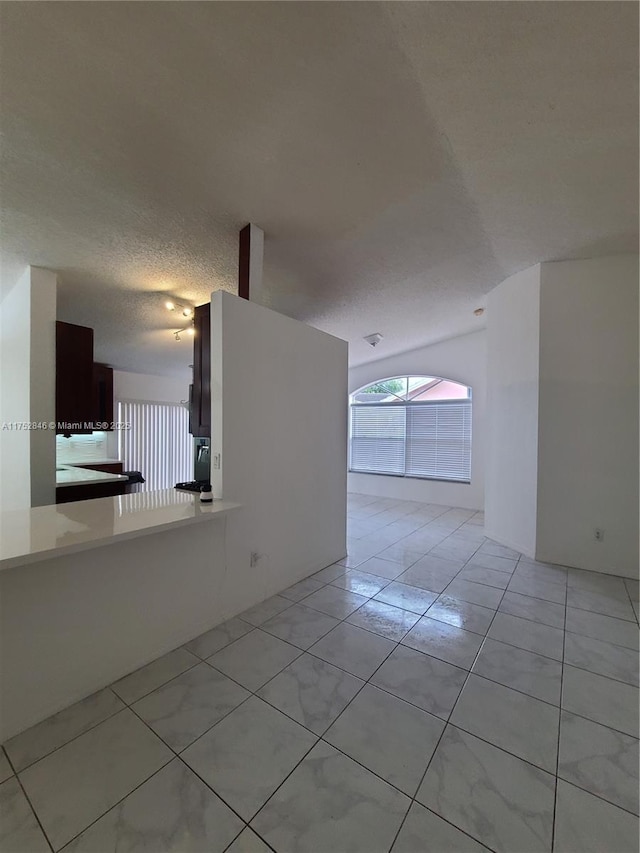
(434, 691)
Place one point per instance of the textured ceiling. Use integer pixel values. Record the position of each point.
(402, 158)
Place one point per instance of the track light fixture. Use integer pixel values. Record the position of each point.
(186, 312)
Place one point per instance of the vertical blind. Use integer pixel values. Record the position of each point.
(427, 439)
(157, 442)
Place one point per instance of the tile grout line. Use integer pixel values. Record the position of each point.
(555, 792)
(28, 799)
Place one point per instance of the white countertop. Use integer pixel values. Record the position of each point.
(69, 475)
(30, 535)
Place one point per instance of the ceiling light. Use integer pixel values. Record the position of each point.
(189, 330)
(187, 312)
(373, 340)
(169, 306)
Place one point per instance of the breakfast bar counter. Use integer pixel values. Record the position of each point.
(92, 590)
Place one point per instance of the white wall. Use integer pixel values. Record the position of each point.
(44, 286)
(512, 411)
(71, 625)
(15, 337)
(462, 359)
(279, 409)
(142, 386)
(588, 422)
(27, 389)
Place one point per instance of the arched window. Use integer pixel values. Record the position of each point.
(412, 426)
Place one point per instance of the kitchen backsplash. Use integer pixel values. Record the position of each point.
(82, 448)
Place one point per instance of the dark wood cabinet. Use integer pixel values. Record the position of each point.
(103, 396)
(74, 378)
(105, 467)
(90, 491)
(200, 393)
(84, 389)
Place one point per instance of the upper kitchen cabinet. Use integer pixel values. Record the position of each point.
(84, 389)
(200, 397)
(74, 377)
(103, 396)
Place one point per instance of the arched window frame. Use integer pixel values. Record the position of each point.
(424, 439)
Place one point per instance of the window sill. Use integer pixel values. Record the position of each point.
(411, 477)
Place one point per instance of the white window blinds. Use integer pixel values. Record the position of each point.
(378, 439)
(157, 443)
(430, 439)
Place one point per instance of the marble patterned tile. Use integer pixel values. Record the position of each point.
(423, 831)
(353, 649)
(545, 572)
(587, 824)
(382, 568)
(76, 784)
(384, 619)
(600, 627)
(184, 708)
(388, 736)
(403, 555)
(361, 583)
(598, 602)
(527, 672)
(248, 754)
(19, 829)
(522, 725)
(475, 593)
(633, 588)
(407, 597)
(299, 625)
(460, 550)
(329, 573)
(248, 842)
(495, 797)
(599, 760)
(331, 803)
(173, 811)
(302, 589)
(433, 580)
(5, 767)
(534, 609)
(461, 614)
(425, 681)
(136, 685)
(312, 692)
(597, 582)
(495, 562)
(335, 601)
(217, 638)
(603, 658)
(254, 659)
(546, 590)
(531, 636)
(488, 577)
(55, 731)
(450, 644)
(601, 699)
(265, 610)
(497, 550)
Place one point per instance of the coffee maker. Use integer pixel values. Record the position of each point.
(202, 460)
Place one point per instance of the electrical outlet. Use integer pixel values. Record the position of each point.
(598, 534)
(216, 461)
